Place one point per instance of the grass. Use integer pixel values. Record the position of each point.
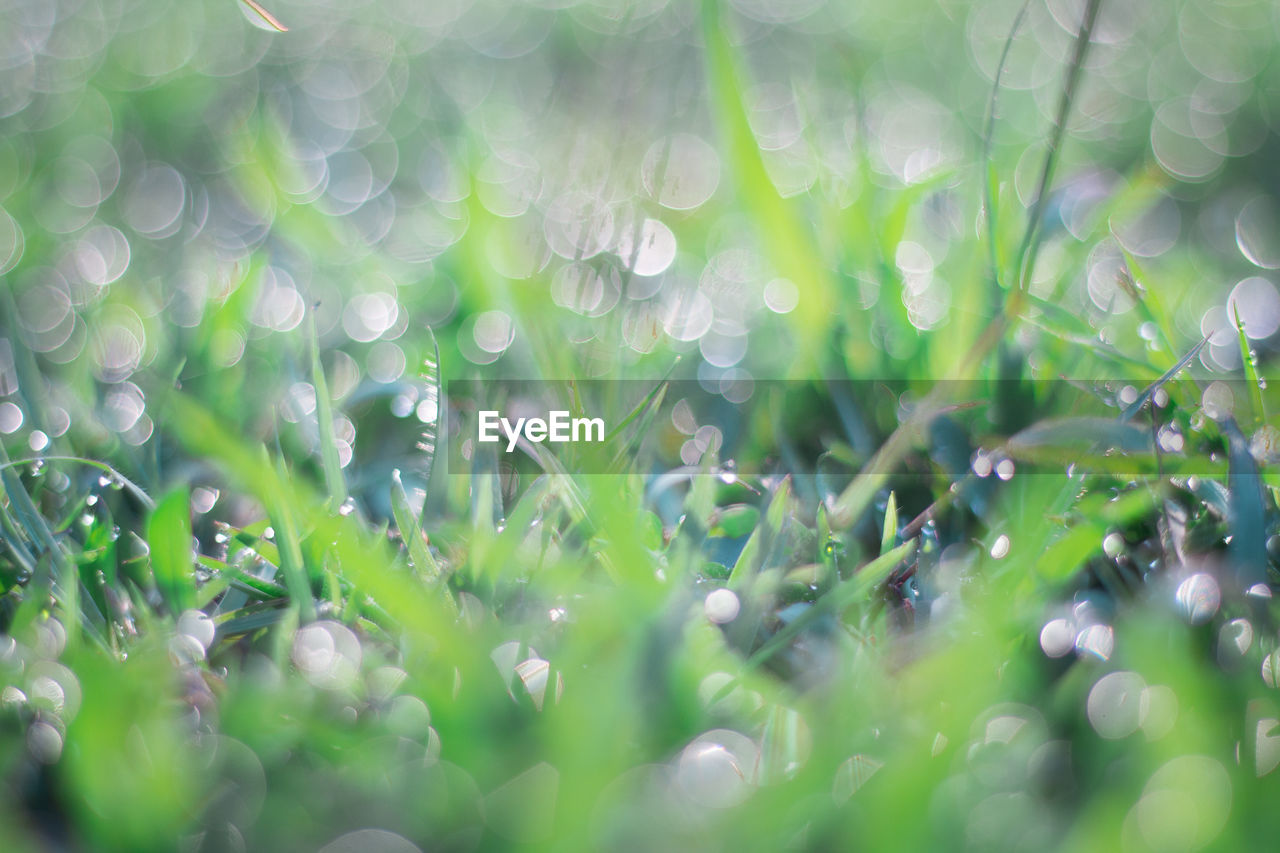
(1018, 614)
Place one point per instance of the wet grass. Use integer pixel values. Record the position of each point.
(991, 617)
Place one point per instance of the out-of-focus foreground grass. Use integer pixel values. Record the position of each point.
(244, 607)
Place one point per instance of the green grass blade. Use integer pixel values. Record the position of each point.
(1030, 246)
(1136, 406)
(790, 247)
(990, 183)
(169, 538)
(415, 540)
(334, 481)
(843, 595)
(289, 541)
(1250, 372)
(890, 531)
(256, 10)
(751, 558)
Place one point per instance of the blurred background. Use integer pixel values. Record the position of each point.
(563, 189)
(725, 193)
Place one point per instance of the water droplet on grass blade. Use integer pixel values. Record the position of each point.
(1234, 640)
(681, 172)
(1218, 401)
(781, 296)
(717, 770)
(721, 606)
(1271, 669)
(44, 742)
(1257, 304)
(10, 418)
(1198, 598)
(1096, 640)
(53, 687)
(328, 654)
(198, 626)
(185, 650)
(12, 697)
(1258, 233)
(46, 694)
(1264, 444)
(1115, 706)
(203, 499)
(1057, 637)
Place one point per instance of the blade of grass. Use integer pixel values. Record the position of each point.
(751, 558)
(1029, 248)
(655, 393)
(242, 580)
(250, 467)
(858, 495)
(169, 540)
(1250, 371)
(651, 405)
(989, 183)
(268, 18)
(841, 596)
(288, 541)
(334, 481)
(786, 242)
(129, 486)
(416, 541)
(1136, 406)
(890, 531)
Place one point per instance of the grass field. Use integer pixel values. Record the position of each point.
(937, 506)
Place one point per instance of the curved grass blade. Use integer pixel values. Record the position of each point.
(129, 486)
(1089, 432)
(649, 407)
(989, 183)
(655, 394)
(1030, 246)
(258, 13)
(1136, 405)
